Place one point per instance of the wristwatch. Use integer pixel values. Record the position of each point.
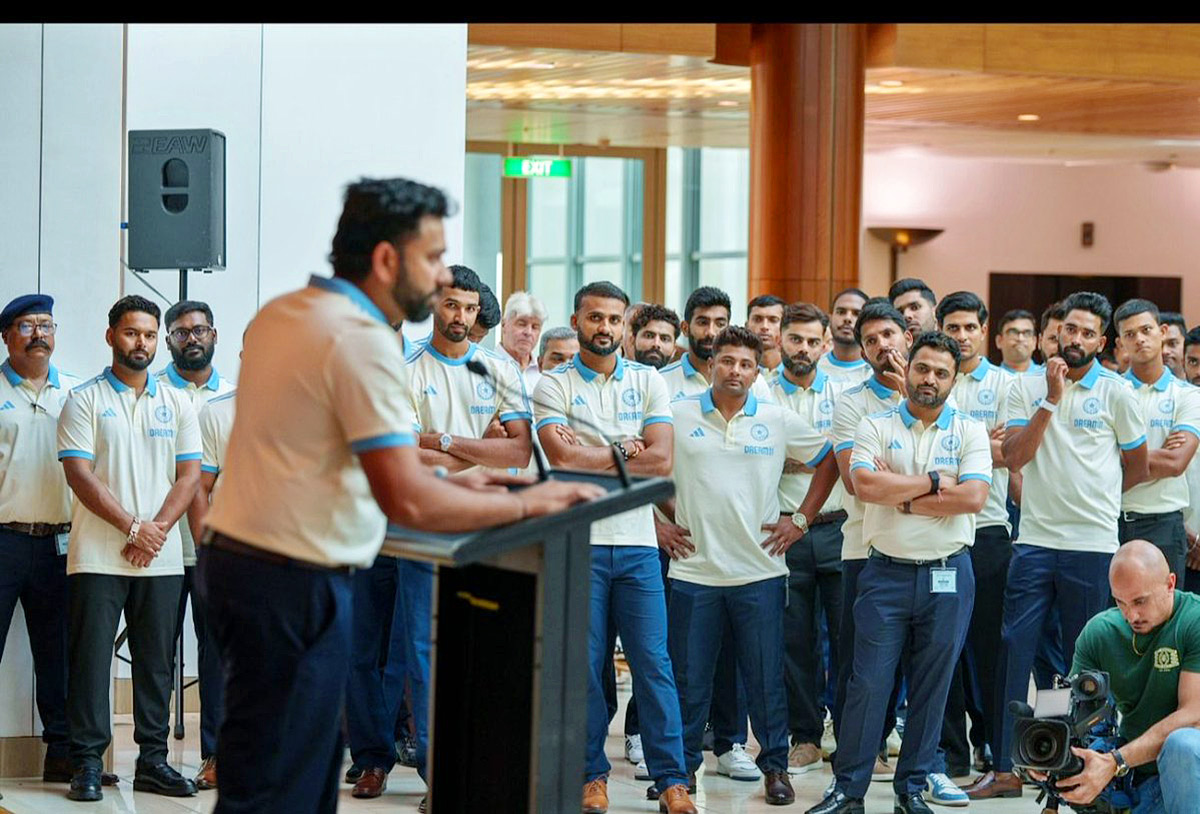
(935, 481)
(444, 441)
(800, 522)
(1119, 759)
(133, 530)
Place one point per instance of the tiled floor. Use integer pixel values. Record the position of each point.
(718, 795)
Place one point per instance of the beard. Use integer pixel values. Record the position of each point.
(599, 350)
(703, 348)
(454, 332)
(416, 305)
(925, 398)
(797, 366)
(1076, 357)
(193, 361)
(653, 357)
(131, 363)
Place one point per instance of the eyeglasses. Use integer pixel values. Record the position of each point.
(1019, 334)
(26, 328)
(201, 332)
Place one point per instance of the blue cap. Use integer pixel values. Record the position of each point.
(25, 304)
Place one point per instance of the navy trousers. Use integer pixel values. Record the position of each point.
(33, 573)
(372, 701)
(209, 676)
(851, 571)
(284, 634)
(898, 617)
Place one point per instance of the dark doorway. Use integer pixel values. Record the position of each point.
(1033, 292)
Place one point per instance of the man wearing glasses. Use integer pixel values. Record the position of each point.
(35, 512)
(192, 340)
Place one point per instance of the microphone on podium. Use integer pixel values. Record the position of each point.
(480, 369)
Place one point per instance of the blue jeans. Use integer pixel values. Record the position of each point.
(372, 699)
(626, 581)
(1177, 786)
(699, 616)
(1039, 580)
(416, 605)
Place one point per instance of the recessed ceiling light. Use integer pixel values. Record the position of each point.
(727, 103)
(1028, 117)
(891, 83)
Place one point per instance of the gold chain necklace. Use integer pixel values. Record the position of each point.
(1133, 643)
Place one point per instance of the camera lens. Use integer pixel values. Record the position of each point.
(1042, 745)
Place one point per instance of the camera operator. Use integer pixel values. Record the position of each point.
(1150, 647)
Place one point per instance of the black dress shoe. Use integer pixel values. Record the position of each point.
(911, 804)
(838, 803)
(162, 779)
(353, 774)
(58, 770)
(653, 793)
(85, 785)
(406, 751)
(778, 789)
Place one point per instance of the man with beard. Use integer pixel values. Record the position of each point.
(321, 455)
(1173, 342)
(736, 576)
(655, 329)
(626, 407)
(1079, 438)
(922, 469)
(487, 317)
(763, 315)
(630, 314)
(1153, 510)
(131, 453)
(705, 315)
(192, 340)
(815, 562)
(1191, 514)
(1016, 334)
(916, 301)
(844, 361)
(35, 512)
(1049, 324)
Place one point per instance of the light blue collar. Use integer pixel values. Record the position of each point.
(943, 419)
(1164, 381)
(213, 383)
(981, 369)
(686, 364)
(836, 362)
(880, 389)
(588, 374)
(121, 387)
(817, 386)
(707, 405)
(15, 378)
(339, 286)
(1034, 367)
(1089, 379)
(446, 360)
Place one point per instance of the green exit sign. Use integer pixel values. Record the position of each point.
(537, 167)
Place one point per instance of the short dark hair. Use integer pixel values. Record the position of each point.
(1192, 337)
(764, 301)
(186, 307)
(877, 309)
(1173, 318)
(1013, 316)
(465, 279)
(858, 292)
(939, 342)
(738, 337)
(961, 301)
(803, 312)
(907, 284)
(654, 313)
(1131, 308)
(489, 307)
(132, 302)
(1054, 310)
(1095, 304)
(706, 296)
(604, 289)
(378, 210)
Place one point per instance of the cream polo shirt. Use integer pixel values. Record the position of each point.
(1071, 494)
(955, 444)
(853, 406)
(846, 373)
(1191, 512)
(1167, 406)
(216, 422)
(684, 380)
(621, 406)
(814, 405)
(983, 395)
(215, 386)
(134, 443)
(323, 379)
(727, 485)
(33, 488)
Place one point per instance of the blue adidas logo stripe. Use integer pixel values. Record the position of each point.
(580, 401)
(895, 444)
(697, 433)
(8, 405)
(109, 413)
(431, 390)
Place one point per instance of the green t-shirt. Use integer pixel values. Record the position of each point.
(1146, 686)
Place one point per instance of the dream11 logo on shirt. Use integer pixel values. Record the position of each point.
(163, 415)
(950, 443)
(760, 433)
(486, 392)
(630, 398)
(1091, 406)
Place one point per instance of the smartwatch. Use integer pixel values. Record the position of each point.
(935, 481)
(445, 441)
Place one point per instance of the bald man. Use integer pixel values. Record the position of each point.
(1150, 647)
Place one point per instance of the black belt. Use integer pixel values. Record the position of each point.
(214, 539)
(37, 529)
(823, 518)
(1130, 517)
(879, 555)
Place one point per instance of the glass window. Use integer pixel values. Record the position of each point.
(729, 275)
(481, 217)
(724, 200)
(604, 207)
(549, 205)
(548, 281)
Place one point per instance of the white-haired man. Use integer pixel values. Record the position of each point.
(524, 316)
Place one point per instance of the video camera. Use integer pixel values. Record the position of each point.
(1076, 712)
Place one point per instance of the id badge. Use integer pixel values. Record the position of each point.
(943, 580)
(60, 542)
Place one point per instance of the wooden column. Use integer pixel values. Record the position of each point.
(806, 140)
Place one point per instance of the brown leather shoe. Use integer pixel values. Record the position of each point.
(595, 796)
(206, 778)
(994, 784)
(372, 784)
(779, 789)
(675, 800)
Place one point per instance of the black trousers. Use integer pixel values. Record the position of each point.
(150, 605)
(32, 572)
(1164, 530)
(209, 677)
(814, 587)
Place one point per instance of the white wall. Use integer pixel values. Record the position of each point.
(305, 109)
(1009, 217)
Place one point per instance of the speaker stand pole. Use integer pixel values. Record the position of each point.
(183, 284)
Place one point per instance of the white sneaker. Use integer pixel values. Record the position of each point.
(641, 772)
(893, 743)
(828, 741)
(737, 764)
(945, 792)
(633, 749)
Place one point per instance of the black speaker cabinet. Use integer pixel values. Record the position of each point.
(176, 199)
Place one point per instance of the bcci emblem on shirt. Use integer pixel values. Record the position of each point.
(163, 415)
(485, 390)
(986, 397)
(1166, 659)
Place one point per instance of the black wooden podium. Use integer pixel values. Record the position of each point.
(510, 655)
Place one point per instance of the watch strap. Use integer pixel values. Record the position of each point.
(1048, 406)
